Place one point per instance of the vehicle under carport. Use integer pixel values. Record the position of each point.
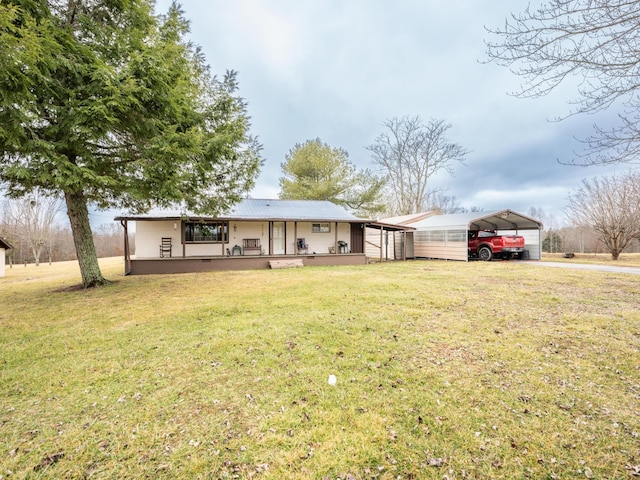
(445, 236)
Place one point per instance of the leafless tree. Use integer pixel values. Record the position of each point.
(445, 204)
(611, 207)
(593, 42)
(579, 239)
(34, 218)
(109, 238)
(410, 152)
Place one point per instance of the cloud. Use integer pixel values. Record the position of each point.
(337, 70)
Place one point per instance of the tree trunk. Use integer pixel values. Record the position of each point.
(83, 240)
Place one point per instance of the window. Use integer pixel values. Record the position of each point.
(456, 236)
(214, 232)
(321, 227)
(435, 236)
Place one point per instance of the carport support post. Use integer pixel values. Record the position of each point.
(404, 245)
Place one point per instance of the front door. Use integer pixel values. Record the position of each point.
(277, 239)
(357, 237)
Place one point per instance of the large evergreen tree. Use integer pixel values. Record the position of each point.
(108, 105)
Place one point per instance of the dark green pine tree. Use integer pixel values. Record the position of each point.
(108, 105)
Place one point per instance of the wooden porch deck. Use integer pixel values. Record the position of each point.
(151, 266)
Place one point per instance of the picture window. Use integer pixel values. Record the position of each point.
(205, 232)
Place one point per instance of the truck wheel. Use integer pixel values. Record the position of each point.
(485, 254)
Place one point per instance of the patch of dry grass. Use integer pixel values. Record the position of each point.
(445, 370)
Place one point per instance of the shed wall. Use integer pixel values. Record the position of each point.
(2, 262)
(373, 244)
(442, 244)
(531, 241)
(407, 238)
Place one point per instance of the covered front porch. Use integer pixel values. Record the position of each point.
(181, 245)
(255, 234)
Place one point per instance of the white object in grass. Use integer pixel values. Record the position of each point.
(332, 380)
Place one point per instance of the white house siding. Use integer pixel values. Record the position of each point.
(318, 242)
(444, 244)
(2, 262)
(149, 236)
(238, 231)
(201, 249)
(321, 242)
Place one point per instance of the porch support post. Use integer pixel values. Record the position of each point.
(335, 241)
(127, 252)
(381, 235)
(295, 238)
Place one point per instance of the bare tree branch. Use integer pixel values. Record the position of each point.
(410, 153)
(597, 43)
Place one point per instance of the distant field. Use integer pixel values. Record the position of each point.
(625, 260)
(444, 370)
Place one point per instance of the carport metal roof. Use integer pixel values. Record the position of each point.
(499, 220)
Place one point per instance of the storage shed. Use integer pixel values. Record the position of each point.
(445, 236)
(4, 246)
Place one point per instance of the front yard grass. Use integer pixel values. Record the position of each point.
(444, 370)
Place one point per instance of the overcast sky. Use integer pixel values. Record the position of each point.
(336, 70)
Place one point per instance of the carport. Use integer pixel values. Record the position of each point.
(445, 236)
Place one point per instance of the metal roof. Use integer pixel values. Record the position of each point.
(408, 219)
(263, 209)
(390, 227)
(499, 220)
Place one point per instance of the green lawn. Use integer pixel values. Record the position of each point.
(444, 370)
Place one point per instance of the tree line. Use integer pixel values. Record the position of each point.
(35, 228)
(59, 246)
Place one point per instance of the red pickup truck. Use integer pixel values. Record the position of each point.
(486, 244)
